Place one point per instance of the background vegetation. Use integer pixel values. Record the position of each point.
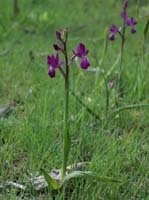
(31, 135)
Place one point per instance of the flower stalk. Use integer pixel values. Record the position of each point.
(15, 7)
(66, 137)
(120, 81)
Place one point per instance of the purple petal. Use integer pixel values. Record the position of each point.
(81, 48)
(81, 51)
(69, 62)
(84, 63)
(133, 30)
(134, 22)
(50, 60)
(86, 51)
(54, 61)
(51, 72)
(131, 22)
(127, 22)
(113, 29)
(58, 35)
(57, 58)
(124, 15)
(58, 62)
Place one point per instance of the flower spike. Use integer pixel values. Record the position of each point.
(127, 22)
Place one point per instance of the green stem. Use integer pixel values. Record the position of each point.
(15, 7)
(104, 77)
(120, 81)
(120, 84)
(66, 137)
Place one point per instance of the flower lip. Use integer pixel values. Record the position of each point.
(84, 63)
(112, 37)
(133, 30)
(81, 51)
(51, 72)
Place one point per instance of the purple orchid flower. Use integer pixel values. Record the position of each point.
(131, 22)
(81, 51)
(113, 29)
(53, 62)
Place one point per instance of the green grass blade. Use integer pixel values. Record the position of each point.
(146, 29)
(129, 107)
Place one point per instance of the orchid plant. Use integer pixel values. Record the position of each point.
(121, 31)
(55, 63)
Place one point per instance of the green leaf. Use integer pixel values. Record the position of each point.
(52, 183)
(88, 174)
(146, 29)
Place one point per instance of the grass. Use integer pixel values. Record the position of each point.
(31, 136)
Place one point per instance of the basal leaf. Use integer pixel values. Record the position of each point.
(88, 174)
(52, 183)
